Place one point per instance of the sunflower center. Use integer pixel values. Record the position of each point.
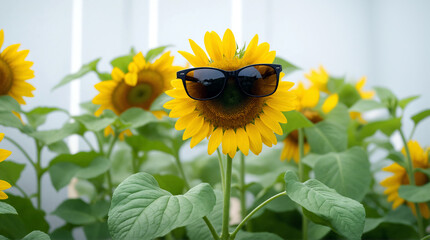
(6, 77)
(232, 109)
(149, 86)
(313, 116)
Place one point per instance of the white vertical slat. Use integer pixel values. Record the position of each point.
(153, 23)
(236, 21)
(75, 64)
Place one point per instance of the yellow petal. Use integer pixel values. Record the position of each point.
(131, 79)
(181, 110)
(117, 74)
(254, 138)
(275, 115)
(229, 144)
(265, 131)
(250, 49)
(271, 123)
(3, 195)
(108, 131)
(4, 185)
(193, 60)
(4, 154)
(139, 60)
(228, 44)
(1, 38)
(310, 98)
(213, 46)
(330, 103)
(193, 128)
(198, 51)
(1, 136)
(215, 140)
(398, 202)
(202, 133)
(185, 120)
(242, 141)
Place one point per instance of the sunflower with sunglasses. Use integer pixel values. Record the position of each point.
(234, 100)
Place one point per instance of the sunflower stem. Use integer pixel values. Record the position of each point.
(412, 182)
(302, 177)
(242, 186)
(221, 168)
(27, 156)
(89, 144)
(225, 235)
(181, 170)
(39, 174)
(108, 154)
(233, 234)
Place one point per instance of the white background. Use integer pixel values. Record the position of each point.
(386, 40)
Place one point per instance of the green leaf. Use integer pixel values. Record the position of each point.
(136, 117)
(59, 147)
(242, 235)
(387, 98)
(397, 157)
(348, 95)
(142, 210)
(425, 171)
(171, 183)
(325, 206)
(89, 107)
(51, 136)
(97, 231)
(387, 127)
(316, 231)
(75, 211)
(416, 194)
(84, 165)
(347, 172)
(63, 233)
(364, 105)
(287, 67)
(198, 229)
(417, 118)
(11, 171)
(339, 116)
(326, 137)
(96, 124)
(8, 119)
(8, 103)
(28, 219)
(141, 143)
(37, 235)
(7, 209)
(159, 102)
(402, 215)
(153, 53)
(122, 62)
(335, 85)
(37, 116)
(405, 101)
(86, 68)
(104, 76)
(296, 120)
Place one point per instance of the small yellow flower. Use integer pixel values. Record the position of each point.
(319, 79)
(14, 72)
(307, 101)
(3, 155)
(109, 131)
(245, 125)
(364, 95)
(400, 177)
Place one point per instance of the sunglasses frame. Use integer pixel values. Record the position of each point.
(229, 74)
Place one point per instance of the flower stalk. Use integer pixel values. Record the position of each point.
(225, 235)
(302, 177)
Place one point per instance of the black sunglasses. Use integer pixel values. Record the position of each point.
(205, 83)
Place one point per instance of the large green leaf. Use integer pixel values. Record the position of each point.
(86, 68)
(8, 103)
(339, 116)
(347, 172)
(364, 105)
(37, 116)
(141, 143)
(402, 215)
(11, 171)
(417, 118)
(78, 212)
(416, 194)
(171, 183)
(84, 165)
(287, 67)
(324, 205)
(28, 219)
(97, 231)
(7, 209)
(142, 210)
(94, 123)
(51, 136)
(405, 101)
(348, 95)
(296, 120)
(335, 84)
(8, 119)
(37, 235)
(326, 137)
(198, 229)
(136, 117)
(153, 53)
(387, 127)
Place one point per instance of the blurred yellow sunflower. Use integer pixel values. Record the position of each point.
(3, 155)
(143, 83)
(364, 95)
(14, 72)
(307, 101)
(247, 124)
(319, 78)
(400, 177)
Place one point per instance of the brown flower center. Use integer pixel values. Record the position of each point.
(6, 77)
(149, 86)
(313, 116)
(232, 109)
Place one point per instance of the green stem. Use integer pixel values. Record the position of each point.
(242, 187)
(108, 174)
(302, 179)
(225, 235)
(135, 162)
(88, 143)
(233, 235)
(412, 182)
(20, 190)
(412, 132)
(39, 174)
(181, 170)
(99, 142)
(211, 228)
(221, 168)
(27, 156)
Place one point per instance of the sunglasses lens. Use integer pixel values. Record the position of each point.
(258, 80)
(204, 83)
